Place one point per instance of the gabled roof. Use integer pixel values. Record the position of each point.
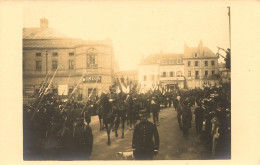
(42, 33)
(202, 52)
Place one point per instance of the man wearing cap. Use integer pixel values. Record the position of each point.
(145, 142)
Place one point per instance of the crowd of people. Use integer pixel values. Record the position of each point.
(57, 130)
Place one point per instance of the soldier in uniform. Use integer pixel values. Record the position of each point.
(198, 117)
(145, 142)
(186, 118)
(130, 111)
(179, 108)
(83, 141)
(155, 109)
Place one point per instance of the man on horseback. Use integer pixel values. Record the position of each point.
(120, 113)
(106, 104)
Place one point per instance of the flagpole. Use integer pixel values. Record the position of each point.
(229, 20)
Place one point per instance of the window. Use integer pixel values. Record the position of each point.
(92, 58)
(196, 55)
(54, 65)
(163, 74)
(179, 61)
(54, 54)
(196, 63)
(71, 64)
(37, 91)
(178, 74)
(70, 90)
(55, 91)
(189, 73)
(71, 53)
(206, 73)
(144, 78)
(188, 63)
(172, 74)
(38, 65)
(206, 63)
(212, 63)
(196, 74)
(38, 54)
(213, 72)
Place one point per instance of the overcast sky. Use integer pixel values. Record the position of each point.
(138, 29)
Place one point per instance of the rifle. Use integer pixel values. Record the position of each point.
(44, 92)
(43, 86)
(89, 97)
(73, 92)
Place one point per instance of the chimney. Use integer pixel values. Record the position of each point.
(44, 23)
(200, 44)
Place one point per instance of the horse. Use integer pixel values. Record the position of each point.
(120, 115)
(108, 116)
(100, 117)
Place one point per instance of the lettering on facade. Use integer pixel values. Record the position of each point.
(91, 79)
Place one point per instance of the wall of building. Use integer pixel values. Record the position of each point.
(32, 78)
(192, 80)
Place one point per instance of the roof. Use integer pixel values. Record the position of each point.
(156, 58)
(50, 43)
(42, 33)
(202, 52)
(51, 38)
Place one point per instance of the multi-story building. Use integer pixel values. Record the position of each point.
(164, 69)
(200, 66)
(45, 50)
(197, 67)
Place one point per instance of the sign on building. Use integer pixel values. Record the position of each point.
(91, 79)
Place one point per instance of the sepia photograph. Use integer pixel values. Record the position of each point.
(106, 83)
(131, 81)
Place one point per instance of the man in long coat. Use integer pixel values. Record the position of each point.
(145, 143)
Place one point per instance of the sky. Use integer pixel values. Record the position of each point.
(138, 29)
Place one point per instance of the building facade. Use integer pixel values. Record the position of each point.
(200, 66)
(196, 68)
(165, 70)
(45, 50)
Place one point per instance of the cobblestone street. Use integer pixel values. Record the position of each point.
(172, 144)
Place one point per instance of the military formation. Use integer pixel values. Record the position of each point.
(61, 130)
